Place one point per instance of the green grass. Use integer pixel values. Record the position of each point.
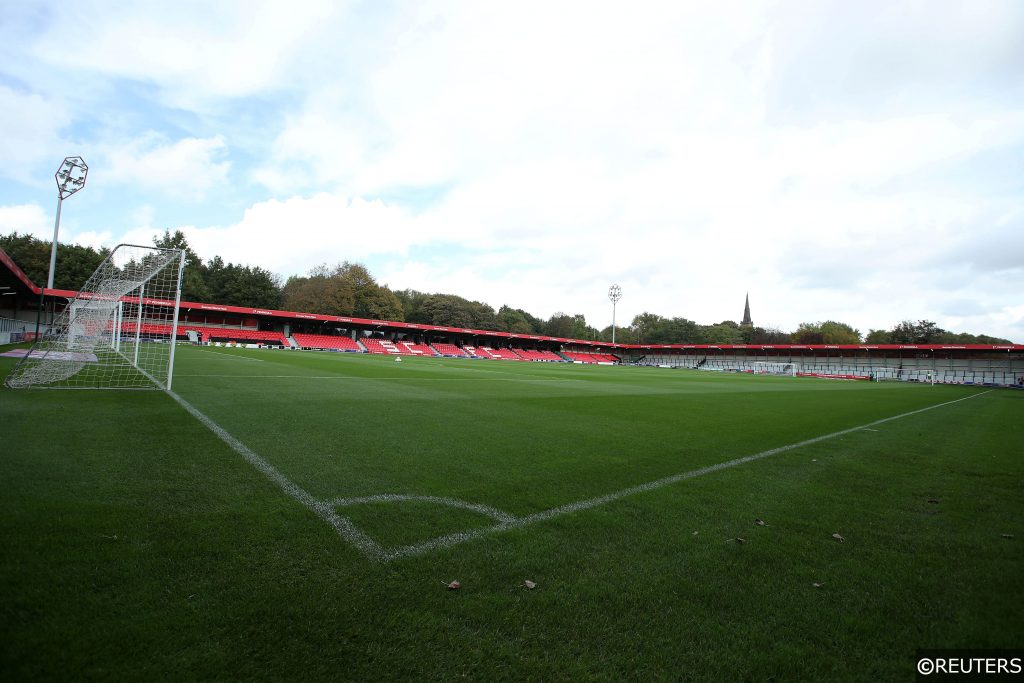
(137, 544)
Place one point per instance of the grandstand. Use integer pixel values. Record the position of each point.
(449, 350)
(535, 355)
(326, 342)
(240, 335)
(418, 349)
(503, 354)
(958, 365)
(206, 334)
(204, 323)
(584, 357)
(385, 346)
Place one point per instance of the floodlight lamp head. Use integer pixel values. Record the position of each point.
(70, 176)
(614, 293)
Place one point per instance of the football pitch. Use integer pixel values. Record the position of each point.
(300, 515)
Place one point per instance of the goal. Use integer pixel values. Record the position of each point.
(119, 330)
(789, 369)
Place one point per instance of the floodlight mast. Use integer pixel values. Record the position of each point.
(70, 179)
(614, 294)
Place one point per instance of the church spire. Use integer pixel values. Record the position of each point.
(747, 322)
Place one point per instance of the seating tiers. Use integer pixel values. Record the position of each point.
(418, 349)
(387, 347)
(500, 354)
(326, 341)
(531, 354)
(449, 350)
(590, 357)
(207, 333)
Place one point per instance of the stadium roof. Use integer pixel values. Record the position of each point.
(10, 272)
(11, 276)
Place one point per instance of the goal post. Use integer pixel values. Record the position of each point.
(783, 369)
(118, 332)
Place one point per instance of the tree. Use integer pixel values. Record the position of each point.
(378, 303)
(580, 328)
(839, 333)
(319, 292)
(559, 325)
(807, 333)
(517, 321)
(449, 310)
(412, 301)
(725, 332)
(828, 332)
(649, 328)
(193, 282)
(75, 263)
(766, 335)
(346, 289)
(238, 285)
(878, 337)
(920, 332)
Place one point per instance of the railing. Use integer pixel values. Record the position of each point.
(15, 325)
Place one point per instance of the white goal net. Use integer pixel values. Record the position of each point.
(118, 332)
(789, 369)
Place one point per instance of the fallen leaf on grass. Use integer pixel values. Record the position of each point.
(529, 585)
(818, 585)
(454, 586)
(839, 538)
(695, 533)
(760, 522)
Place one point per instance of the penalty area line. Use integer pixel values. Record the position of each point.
(520, 522)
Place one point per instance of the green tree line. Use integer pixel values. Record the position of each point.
(348, 289)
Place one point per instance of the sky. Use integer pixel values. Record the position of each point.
(854, 161)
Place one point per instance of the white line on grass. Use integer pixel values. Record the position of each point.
(378, 379)
(374, 550)
(487, 510)
(231, 355)
(519, 522)
(343, 525)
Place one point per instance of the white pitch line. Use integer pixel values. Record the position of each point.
(519, 522)
(487, 510)
(380, 379)
(231, 355)
(343, 525)
(374, 550)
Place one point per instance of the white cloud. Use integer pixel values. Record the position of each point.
(290, 236)
(838, 160)
(32, 125)
(33, 220)
(194, 52)
(26, 218)
(188, 168)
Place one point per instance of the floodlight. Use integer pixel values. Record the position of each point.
(614, 293)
